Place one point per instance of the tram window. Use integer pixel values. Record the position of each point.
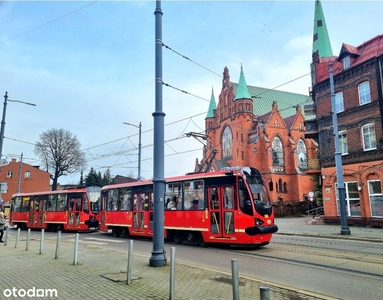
(144, 201)
(194, 195)
(61, 202)
(173, 192)
(126, 199)
(16, 204)
(52, 203)
(25, 204)
(85, 205)
(228, 198)
(112, 200)
(214, 203)
(78, 204)
(244, 200)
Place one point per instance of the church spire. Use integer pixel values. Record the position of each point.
(212, 106)
(321, 41)
(242, 91)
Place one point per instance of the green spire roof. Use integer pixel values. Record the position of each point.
(212, 106)
(242, 91)
(321, 41)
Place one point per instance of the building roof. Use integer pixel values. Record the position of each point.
(263, 99)
(212, 106)
(321, 40)
(370, 49)
(242, 91)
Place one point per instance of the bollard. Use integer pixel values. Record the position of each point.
(28, 237)
(264, 291)
(172, 272)
(129, 269)
(6, 237)
(41, 241)
(234, 272)
(75, 261)
(58, 245)
(17, 237)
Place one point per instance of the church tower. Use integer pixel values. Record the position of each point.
(321, 41)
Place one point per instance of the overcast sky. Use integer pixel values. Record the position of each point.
(90, 66)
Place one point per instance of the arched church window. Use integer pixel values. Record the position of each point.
(302, 155)
(277, 152)
(227, 142)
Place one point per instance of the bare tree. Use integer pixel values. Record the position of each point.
(59, 151)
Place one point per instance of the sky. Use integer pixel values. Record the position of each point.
(90, 66)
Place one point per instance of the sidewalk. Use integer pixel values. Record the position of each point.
(101, 273)
(300, 226)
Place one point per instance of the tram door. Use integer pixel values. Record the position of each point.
(75, 202)
(141, 212)
(221, 208)
(36, 213)
(103, 211)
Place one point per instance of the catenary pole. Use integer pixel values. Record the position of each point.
(157, 258)
(338, 161)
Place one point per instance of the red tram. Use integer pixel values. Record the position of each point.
(71, 209)
(230, 206)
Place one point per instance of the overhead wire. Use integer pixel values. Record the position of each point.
(49, 22)
(166, 84)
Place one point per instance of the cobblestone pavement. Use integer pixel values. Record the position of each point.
(102, 273)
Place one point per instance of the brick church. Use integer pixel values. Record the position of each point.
(262, 128)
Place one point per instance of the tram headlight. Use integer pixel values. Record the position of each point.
(258, 221)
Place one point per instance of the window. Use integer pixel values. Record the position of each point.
(368, 134)
(302, 155)
(194, 195)
(343, 148)
(277, 150)
(27, 174)
(9, 174)
(227, 138)
(346, 62)
(113, 200)
(339, 106)
(352, 199)
(376, 198)
(364, 93)
(173, 195)
(52, 202)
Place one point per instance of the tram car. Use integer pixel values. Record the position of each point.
(60, 210)
(230, 206)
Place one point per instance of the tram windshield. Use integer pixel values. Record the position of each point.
(260, 196)
(95, 198)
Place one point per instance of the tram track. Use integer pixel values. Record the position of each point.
(362, 263)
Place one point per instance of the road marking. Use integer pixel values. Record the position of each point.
(105, 240)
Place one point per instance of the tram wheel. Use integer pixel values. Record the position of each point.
(116, 232)
(201, 242)
(177, 238)
(56, 228)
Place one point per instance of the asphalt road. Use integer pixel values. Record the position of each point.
(344, 269)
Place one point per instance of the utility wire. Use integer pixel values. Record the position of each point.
(54, 20)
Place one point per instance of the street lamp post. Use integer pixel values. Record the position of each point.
(139, 148)
(345, 230)
(3, 124)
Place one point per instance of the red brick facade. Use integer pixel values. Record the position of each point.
(32, 179)
(360, 123)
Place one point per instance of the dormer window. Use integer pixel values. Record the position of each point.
(346, 62)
